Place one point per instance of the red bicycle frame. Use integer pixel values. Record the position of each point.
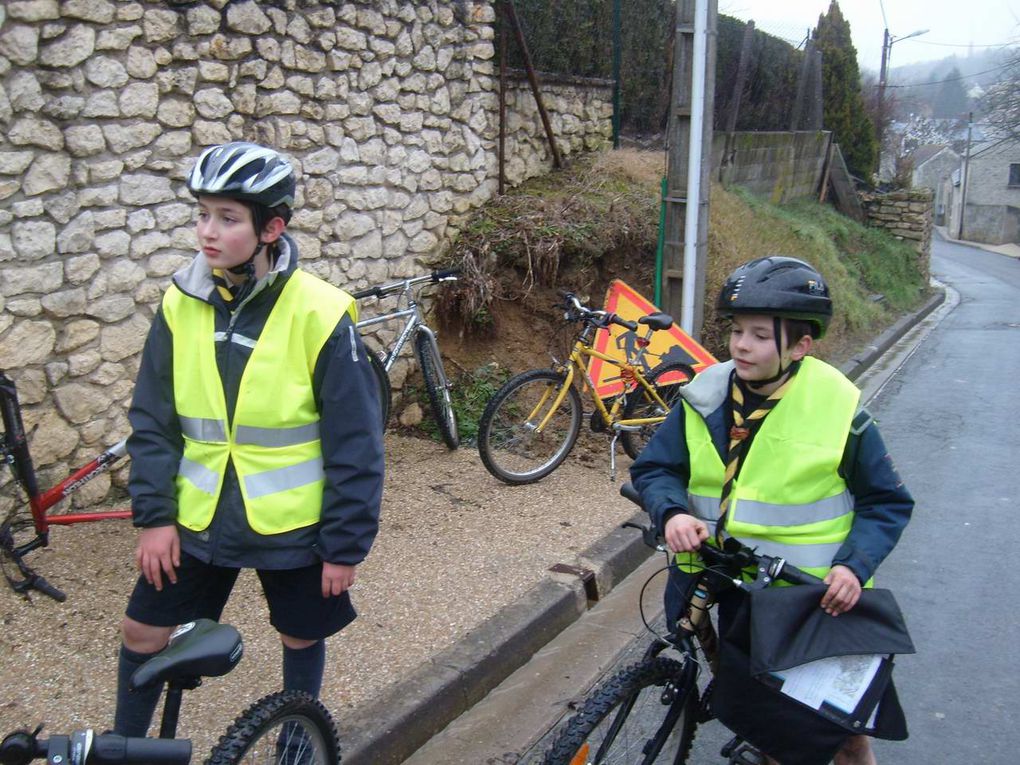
(15, 452)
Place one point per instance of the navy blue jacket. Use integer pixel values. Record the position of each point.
(347, 397)
(882, 504)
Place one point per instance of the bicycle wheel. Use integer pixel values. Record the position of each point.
(644, 714)
(508, 441)
(667, 379)
(284, 728)
(437, 387)
(383, 381)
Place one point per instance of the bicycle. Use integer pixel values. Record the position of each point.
(15, 452)
(426, 347)
(531, 424)
(648, 712)
(284, 727)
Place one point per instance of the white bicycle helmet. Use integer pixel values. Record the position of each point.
(244, 171)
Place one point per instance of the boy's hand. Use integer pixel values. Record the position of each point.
(337, 578)
(685, 533)
(158, 551)
(843, 593)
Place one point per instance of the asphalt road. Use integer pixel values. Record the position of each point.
(949, 414)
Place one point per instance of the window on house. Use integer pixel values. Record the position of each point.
(1014, 174)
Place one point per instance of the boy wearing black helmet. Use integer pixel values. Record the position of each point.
(773, 448)
(255, 433)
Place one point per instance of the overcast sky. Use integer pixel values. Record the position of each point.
(952, 25)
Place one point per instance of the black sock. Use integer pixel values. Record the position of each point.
(134, 708)
(303, 668)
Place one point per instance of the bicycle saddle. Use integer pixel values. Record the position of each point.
(202, 648)
(657, 320)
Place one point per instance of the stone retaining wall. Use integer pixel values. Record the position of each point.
(907, 215)
(388, 108)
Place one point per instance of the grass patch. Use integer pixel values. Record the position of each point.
(470, 394)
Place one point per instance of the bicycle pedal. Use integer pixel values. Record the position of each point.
(739, 752)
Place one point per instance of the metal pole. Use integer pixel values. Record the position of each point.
(880, 127)
(511, 12)
(617, 54)
(502, 108)
(963, 180)
(694, 164)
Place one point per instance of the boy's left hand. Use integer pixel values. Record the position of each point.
(336, 578)
(843, 593)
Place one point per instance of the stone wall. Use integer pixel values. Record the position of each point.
(907, 215)
(388, 109)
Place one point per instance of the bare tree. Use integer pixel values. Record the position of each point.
(1000, 104)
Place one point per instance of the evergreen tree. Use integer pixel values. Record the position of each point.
(843, 104)
(951, 98)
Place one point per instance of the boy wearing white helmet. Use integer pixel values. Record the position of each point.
(773, 448)
(255, 433)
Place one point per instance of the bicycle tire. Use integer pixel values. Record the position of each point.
(640, 404)
(382, 380)
(291, 721)
(619, 719)
(507, 442)
(438, 388)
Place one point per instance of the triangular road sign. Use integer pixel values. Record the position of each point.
(670, 345)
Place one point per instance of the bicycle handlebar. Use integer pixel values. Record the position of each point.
(596, 317)
(84, 747)
(435, 277)
(733, 557)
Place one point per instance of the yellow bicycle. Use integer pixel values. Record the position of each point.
(532, 422)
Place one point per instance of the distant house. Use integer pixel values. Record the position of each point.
(932, 165)
(989, 187)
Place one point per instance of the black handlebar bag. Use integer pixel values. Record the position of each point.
(771, 634)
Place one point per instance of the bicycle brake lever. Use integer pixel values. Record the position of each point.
(648, 535)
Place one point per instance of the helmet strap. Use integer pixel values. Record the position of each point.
(778, 332)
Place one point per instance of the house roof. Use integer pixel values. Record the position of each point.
(923, 153)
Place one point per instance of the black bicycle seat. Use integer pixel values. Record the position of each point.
(657, 320)
(202, 648)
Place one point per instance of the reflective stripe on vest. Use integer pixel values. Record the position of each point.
(274, 440)
(789, 500)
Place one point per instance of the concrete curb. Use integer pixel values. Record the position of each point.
(401, 720)
(404, 717)
(868, 355)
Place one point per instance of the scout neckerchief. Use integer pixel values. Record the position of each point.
(741, 434)
(227, 291)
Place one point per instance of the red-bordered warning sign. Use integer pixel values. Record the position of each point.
(665, 346)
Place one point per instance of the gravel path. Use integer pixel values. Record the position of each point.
(455, 546)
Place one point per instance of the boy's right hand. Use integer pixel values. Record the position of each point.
(685, 533)
(159, 551)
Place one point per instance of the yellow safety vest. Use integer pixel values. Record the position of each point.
(273, 440)
(789, 499)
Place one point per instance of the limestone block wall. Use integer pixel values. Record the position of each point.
(907, 215)
(388, 109)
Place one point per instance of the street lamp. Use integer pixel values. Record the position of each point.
(887, 43)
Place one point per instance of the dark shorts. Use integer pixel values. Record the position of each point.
(296, 605)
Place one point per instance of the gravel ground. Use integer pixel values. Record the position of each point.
(455, 546)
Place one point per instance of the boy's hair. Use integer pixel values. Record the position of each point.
(798, 328)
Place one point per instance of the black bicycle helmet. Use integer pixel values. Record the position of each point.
(778, 286)
(244, 171)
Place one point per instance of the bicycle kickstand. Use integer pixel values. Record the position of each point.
(612, 456)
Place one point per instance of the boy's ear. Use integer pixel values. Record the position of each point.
(273, 229)
(801, 348)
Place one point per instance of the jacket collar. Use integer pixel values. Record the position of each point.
(196, 280)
